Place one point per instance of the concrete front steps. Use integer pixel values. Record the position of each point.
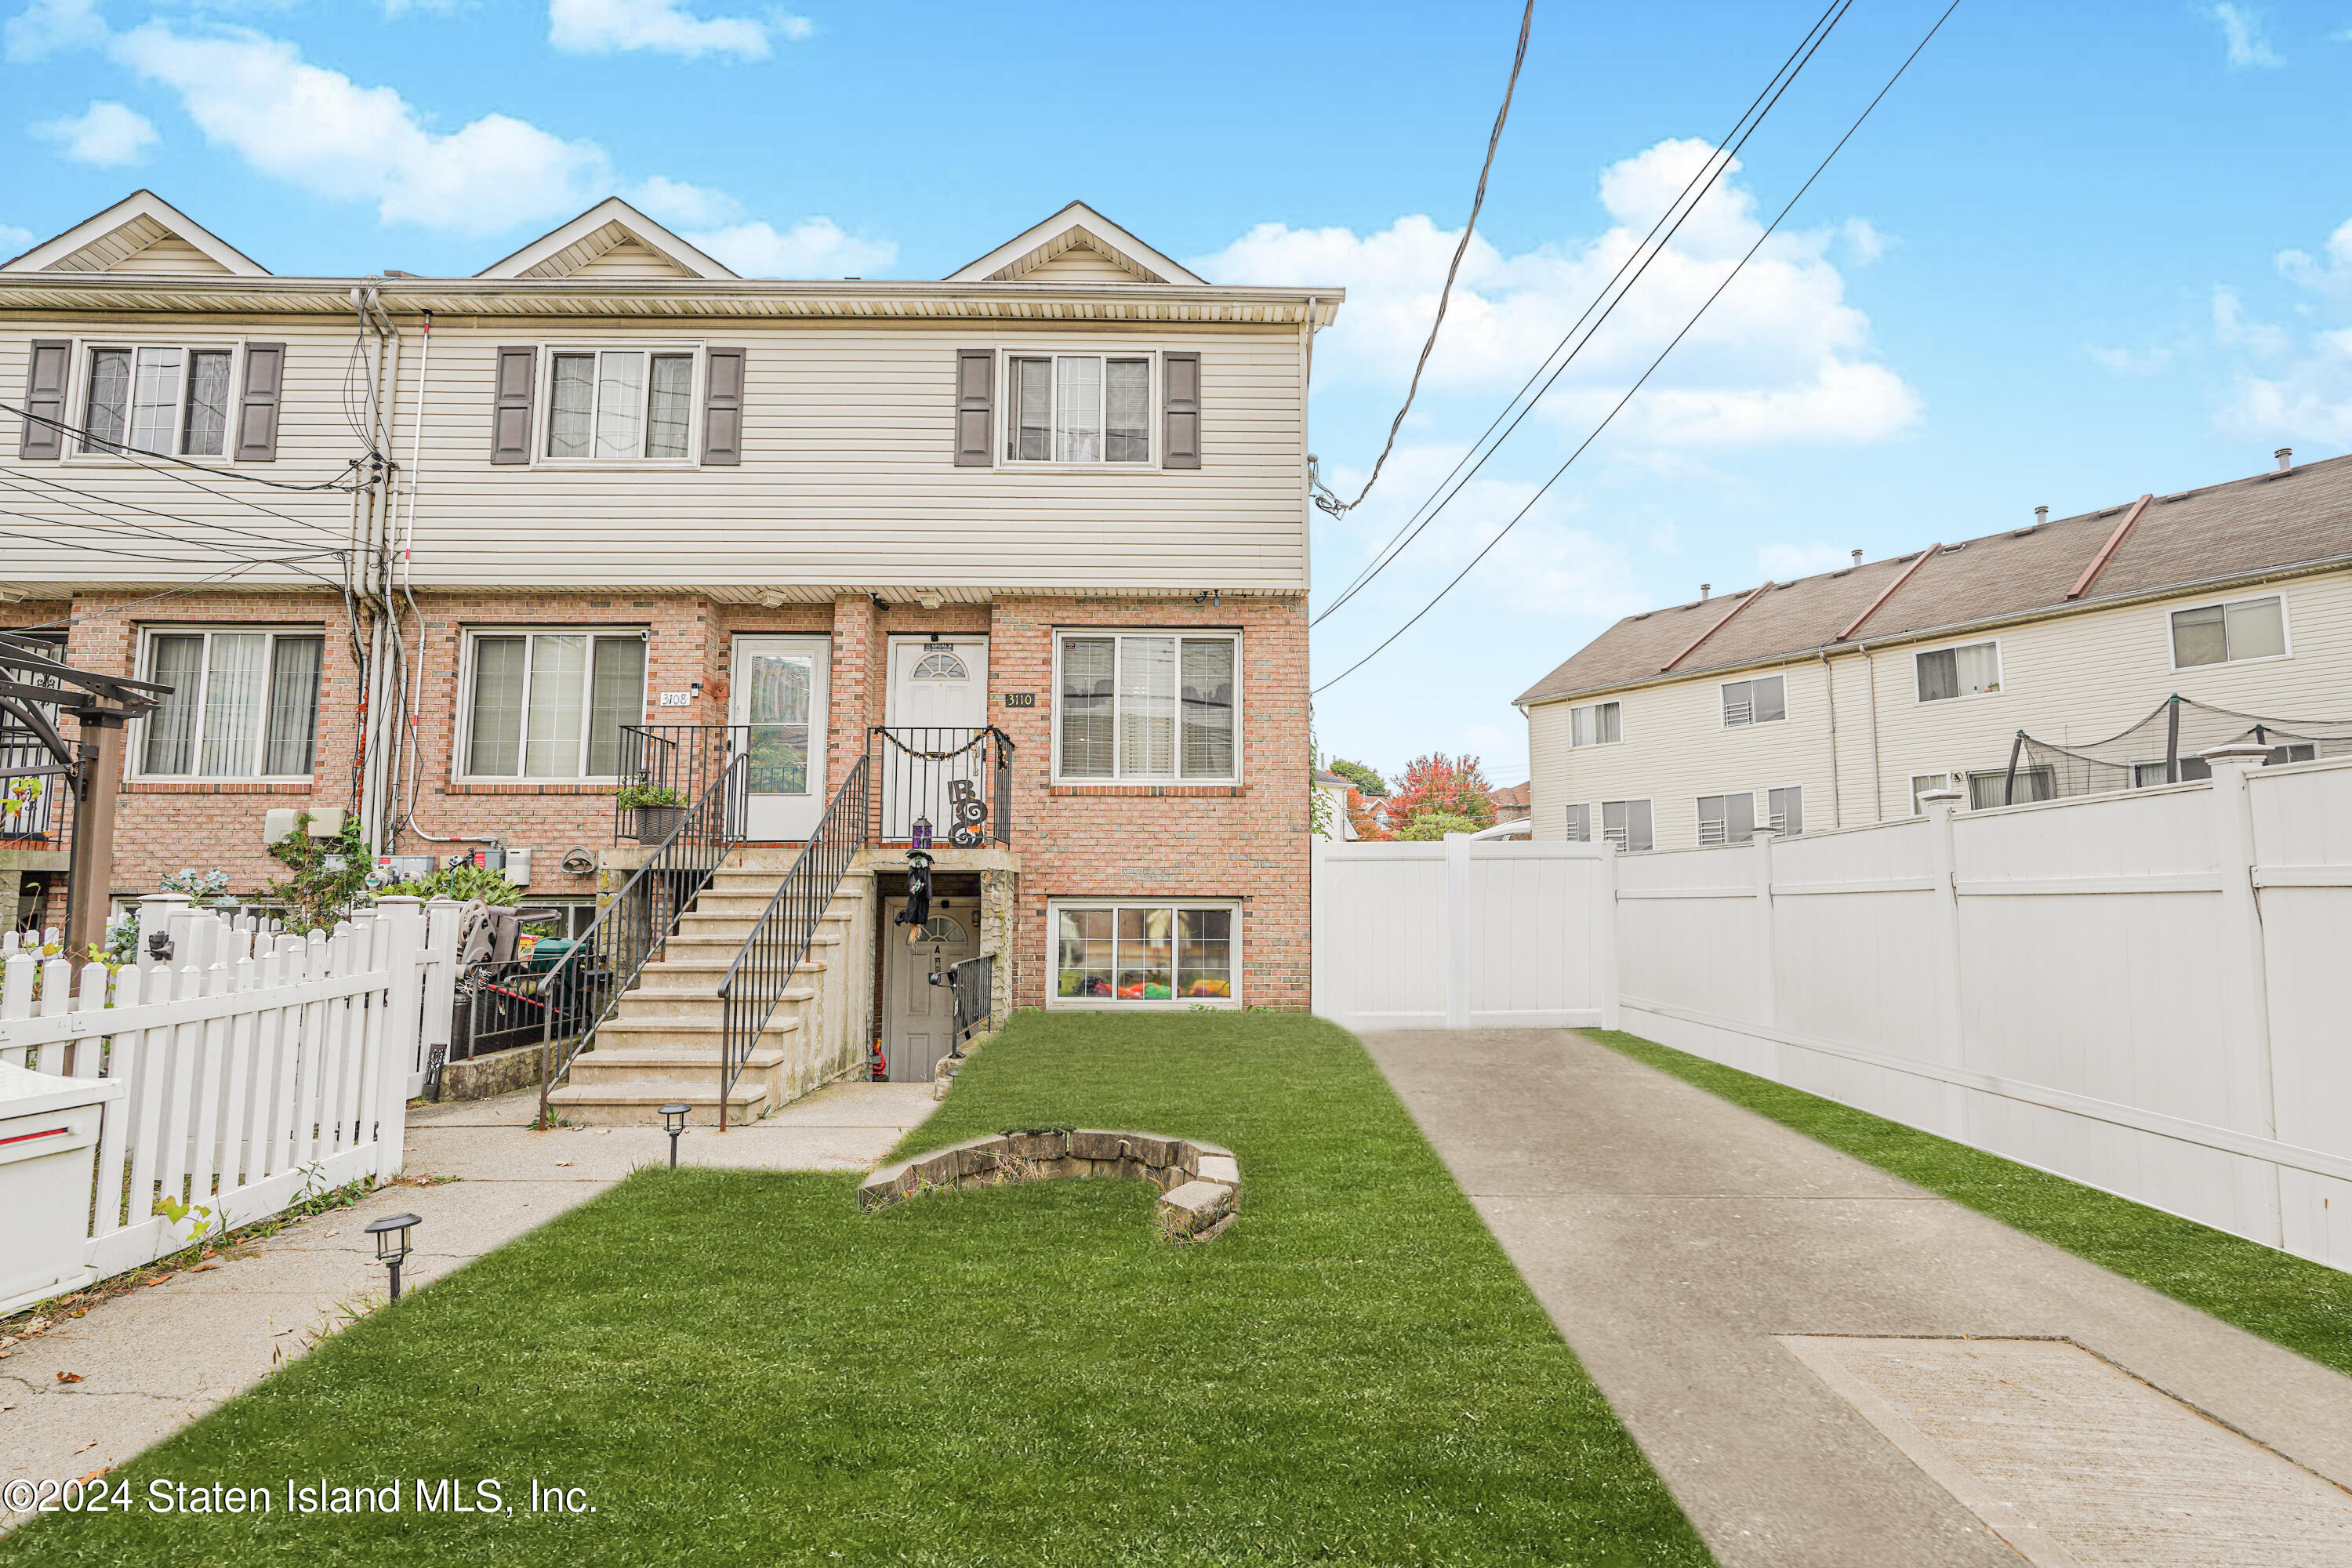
(663, 1042)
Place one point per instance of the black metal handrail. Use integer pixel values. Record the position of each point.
(680, 758)
(631, 928)
(929, 773)
(779, 942)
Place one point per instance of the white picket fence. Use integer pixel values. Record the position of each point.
(2150, 993)
(253, 1068)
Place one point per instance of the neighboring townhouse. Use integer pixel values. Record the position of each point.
(466, 554)
(1840, 698)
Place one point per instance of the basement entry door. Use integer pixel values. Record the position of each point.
(778, 708)
(937, 704)
(918, 1015)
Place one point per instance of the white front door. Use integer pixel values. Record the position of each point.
(779, 707)
(936, 707)
(919, 1016)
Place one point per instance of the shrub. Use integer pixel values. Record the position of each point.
(1431, 825)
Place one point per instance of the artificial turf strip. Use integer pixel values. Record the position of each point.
(738, 1368)
(2289, 1300)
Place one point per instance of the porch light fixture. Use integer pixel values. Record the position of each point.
(391, 1235)
(673, 1117)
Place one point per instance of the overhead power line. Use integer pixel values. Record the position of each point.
(1324, 498)
(122, 449)
(8, 477)
(1619, 405)
(1652, 244)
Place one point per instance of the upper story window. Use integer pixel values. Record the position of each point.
(157, 398)
(1763, 700)
(619, 406)
(244, 703)
(1148, 707)
(1787, 809)
(1727, 818)
(1949, 672)
(550, 704)
(1078, 408)
(1597, 725)
(1580, 824)
(2227, 633)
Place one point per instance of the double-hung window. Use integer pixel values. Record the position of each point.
(1148, 707)
(620, 405)
(2227, 633)
(1144, 951)
(1763, 700)
(550, 704)
(1580, 824)
(1949, 672)
(243, 704)
(1727, 818)
(1626, 823)
(157, 398)
(1078, 408)
(1786, 809)
(1598, 724)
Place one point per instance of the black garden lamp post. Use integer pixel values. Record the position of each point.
(391, 1235)
(673, 1117)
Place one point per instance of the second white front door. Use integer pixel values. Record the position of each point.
(779, 710)
(936, 707)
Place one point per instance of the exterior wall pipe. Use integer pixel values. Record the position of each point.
(1829, 684)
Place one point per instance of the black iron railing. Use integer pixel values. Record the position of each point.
(937, 777)
(682, 758)
(972, 989)
(630, 929)
(779, 942)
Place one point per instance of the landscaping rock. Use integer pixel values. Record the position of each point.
(1194, 1208)
(1200, 1182)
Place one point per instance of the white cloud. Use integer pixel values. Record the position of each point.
(1863, 241)
(320, 129)
(395, 9)
(105, 133)
(797, 29)
(13, 241)
(2131, 361)
(2242, 33)
(1787, 563)
(610, 26)
(813, 248)
(676, 202)
(2296, 389)
(1781, 357)
(45, 28)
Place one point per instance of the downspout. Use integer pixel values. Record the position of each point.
(377, 770)
(1877, 771)
(1837, 796)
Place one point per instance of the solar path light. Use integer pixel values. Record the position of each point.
(673, 1117)
(391, 1235)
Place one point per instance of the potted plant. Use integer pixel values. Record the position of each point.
(655, 810)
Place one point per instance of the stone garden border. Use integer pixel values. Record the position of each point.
(1199, 1183)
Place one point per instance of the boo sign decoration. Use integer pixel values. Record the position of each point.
(967, 810)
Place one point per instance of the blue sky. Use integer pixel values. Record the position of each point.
(2081, 252)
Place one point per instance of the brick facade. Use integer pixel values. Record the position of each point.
(1246, 842)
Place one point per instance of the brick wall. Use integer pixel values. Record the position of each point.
(1246, 842)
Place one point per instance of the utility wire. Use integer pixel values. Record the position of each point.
(1646, 375)
(1326, 500)
(114, 610)
(125, 449)
(52, 538)
(1718, 162)
(9, 475)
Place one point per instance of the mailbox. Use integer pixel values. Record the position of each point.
(49, 1159)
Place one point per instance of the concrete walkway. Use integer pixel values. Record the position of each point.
(1672, 1236)
(161, 1357)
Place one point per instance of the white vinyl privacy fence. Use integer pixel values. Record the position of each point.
(254, 1069)
(2150, 993)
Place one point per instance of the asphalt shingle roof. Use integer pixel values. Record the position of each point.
(2237, 527)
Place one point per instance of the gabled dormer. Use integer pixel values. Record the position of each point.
(1076, 245)
(611, 239)
(142, 233)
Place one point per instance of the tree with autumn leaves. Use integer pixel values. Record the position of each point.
(1440, 793)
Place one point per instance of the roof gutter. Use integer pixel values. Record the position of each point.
(1889, 592)
(2107, 551)
(1721, 622)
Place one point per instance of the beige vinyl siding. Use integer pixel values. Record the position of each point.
(1080, 264)
(170, 254)
(2070, 679)
(848, 475)
(629, 260)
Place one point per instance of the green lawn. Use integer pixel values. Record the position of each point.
(738, 1368)
(2305, 1306)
